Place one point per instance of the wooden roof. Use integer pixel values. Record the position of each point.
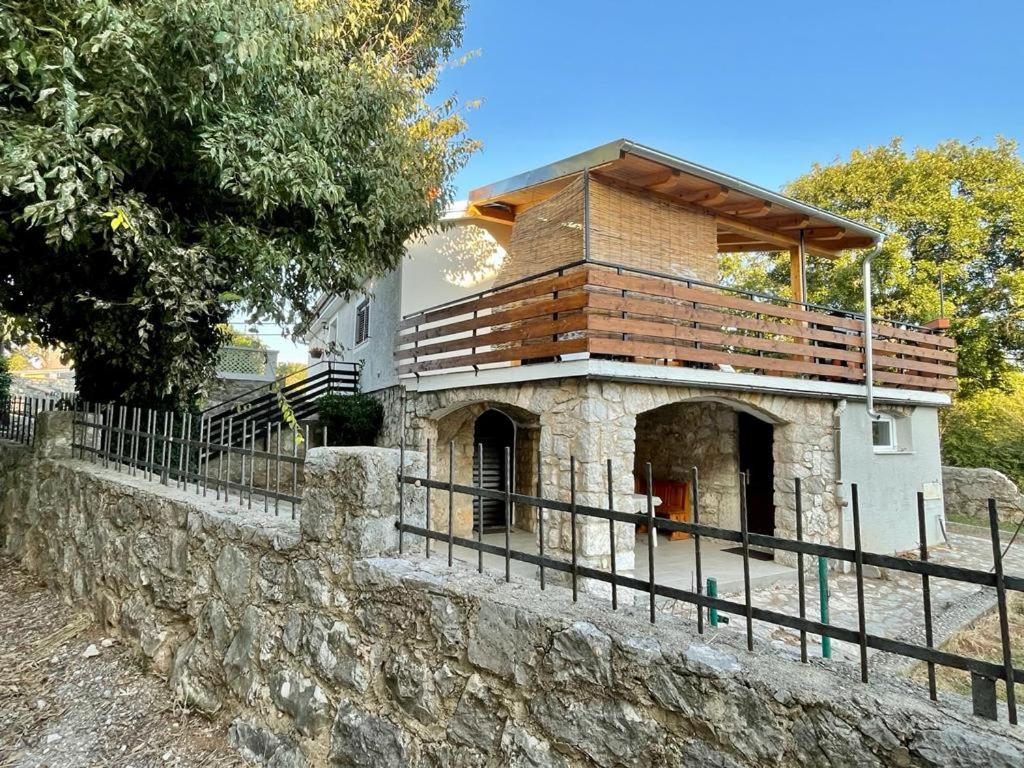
(748, 217)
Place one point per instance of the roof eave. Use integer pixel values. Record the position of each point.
(613, 150)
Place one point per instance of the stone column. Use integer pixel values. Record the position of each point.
(351, 500)
(592, 427)
(54, 433)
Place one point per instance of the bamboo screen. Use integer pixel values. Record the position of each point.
(638, 231)
(546, 236)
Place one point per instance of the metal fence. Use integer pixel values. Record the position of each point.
(983, 672)
(263, 468)
(19, 414)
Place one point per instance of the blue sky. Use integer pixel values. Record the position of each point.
(759, 90)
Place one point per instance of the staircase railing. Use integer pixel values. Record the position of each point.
(229, 421)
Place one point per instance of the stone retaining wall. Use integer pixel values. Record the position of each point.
(323, 648)
(966, 492)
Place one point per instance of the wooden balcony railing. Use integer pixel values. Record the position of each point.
(610, 312)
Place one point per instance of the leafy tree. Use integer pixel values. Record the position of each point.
(291, 372)
(240, 338)
(955, 211)
(987, 430)
(165, 163)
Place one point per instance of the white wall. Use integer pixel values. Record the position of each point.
(438, 267)
(888, 483)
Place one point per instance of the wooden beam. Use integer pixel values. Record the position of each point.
(748, 247)
(756, 208)
(706, 196)
(824, 233)
(796, 270)
(787, 222)
(662, 177)
(730, 238)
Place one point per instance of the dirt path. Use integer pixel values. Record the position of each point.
(71, 696)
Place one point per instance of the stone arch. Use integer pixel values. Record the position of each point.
(765, 407)
(449, 431)
(802, 446)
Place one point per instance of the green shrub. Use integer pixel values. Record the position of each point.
(351, 419)
(987, 430)
(5, 378)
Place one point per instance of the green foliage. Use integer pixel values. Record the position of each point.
(165, 163)
(290, 372)
(351, 419)
(240, 338)
(987, 430)
(5, 378)
(955, 210)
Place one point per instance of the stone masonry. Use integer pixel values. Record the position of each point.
(967, 490)
(596, 420)
(324, 648)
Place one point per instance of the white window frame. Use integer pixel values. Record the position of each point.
(892, 445)
(362, 328)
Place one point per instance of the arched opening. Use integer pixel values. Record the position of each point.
(459, 430)
(756, 439)
(731, 448)
(494, 435)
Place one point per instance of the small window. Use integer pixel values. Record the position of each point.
(362, 321)
(883, 434)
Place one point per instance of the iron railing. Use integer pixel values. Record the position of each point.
(983, 672)
(263, 404)
(264, 466)
(19, 414)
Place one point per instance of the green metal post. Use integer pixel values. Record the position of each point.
(712, 591)
(826, 642)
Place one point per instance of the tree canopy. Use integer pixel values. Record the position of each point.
(955, 211)
(166, 163)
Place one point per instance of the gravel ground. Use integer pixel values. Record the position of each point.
(72, 696)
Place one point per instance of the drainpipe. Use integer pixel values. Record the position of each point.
(869, 362)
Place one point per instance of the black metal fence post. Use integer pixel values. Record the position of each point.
(926, 593)
(862, 633)
(1004, 622)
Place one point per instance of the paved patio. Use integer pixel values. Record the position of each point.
(674, 562)
(893, 605)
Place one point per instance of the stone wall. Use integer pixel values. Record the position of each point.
(597, 420)
(323, 648)
(966, 492)
(678, 437)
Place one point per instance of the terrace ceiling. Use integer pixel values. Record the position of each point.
(748, 217)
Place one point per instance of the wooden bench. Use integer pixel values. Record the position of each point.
(675, 504)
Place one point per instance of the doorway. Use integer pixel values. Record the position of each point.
(495, 432)
(757, 468)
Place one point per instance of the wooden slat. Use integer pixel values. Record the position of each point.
(685, 311)
(706, 316)
(914, 382)
(672, 332)
(527, 352)
(905, 364)
(570, 303)
(544, 329)
(577, 278)
(669, 289)
(693, 354)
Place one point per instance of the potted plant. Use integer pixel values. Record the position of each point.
(316, 352)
